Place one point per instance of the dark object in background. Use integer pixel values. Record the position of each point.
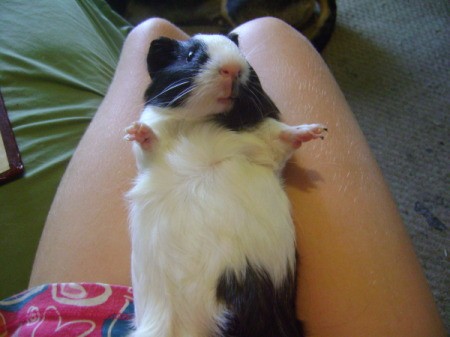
(314, 18)
(11, 166)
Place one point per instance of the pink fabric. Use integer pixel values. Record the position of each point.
(68, 310)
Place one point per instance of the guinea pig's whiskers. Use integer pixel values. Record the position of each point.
(254, 96)
(168, 88)
(182, 94)
(257, 93)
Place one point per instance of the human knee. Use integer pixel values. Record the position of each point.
(271, 27)
(152, 25)
(268, 22)
(153, 28)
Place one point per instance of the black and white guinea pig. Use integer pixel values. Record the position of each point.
(213, 242)
(185, 75)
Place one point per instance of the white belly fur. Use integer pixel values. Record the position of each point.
(206, 201)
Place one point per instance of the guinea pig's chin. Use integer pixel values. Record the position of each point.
(224, 104)
(221, 105)
(209, 107)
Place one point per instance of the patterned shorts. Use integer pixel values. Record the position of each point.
(68, 310)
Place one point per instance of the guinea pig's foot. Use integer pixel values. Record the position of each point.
(142, 134)
(296, 135)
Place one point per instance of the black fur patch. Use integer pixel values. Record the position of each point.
(251, 106)
(256, 307)
(234, 37)
(172, 65)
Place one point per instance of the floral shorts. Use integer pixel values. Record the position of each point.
(68, 310)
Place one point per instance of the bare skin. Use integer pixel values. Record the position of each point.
(358, 273)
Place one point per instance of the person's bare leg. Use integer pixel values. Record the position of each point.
(359, 275)
(86, 234)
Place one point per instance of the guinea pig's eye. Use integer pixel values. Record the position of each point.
(190, 56)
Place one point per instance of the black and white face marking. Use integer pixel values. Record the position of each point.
(207, 75)
(250, 107)
(173, 65)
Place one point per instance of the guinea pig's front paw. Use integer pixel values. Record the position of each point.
(296, 135)
(142, 134)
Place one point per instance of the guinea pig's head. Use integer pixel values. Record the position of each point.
(206, 75)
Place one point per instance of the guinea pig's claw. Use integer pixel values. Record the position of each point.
(142, 134)
(297, 135)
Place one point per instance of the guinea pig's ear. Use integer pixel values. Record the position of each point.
(163, 52)
(234, 37)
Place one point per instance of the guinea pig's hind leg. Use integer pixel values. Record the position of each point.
(296, 135)
(142, 134)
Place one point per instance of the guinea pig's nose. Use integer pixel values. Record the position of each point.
(230, 70)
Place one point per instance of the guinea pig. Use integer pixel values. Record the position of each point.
(213, 241)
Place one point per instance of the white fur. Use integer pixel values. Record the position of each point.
(208, 200)
(208, 86)
(205, 199)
